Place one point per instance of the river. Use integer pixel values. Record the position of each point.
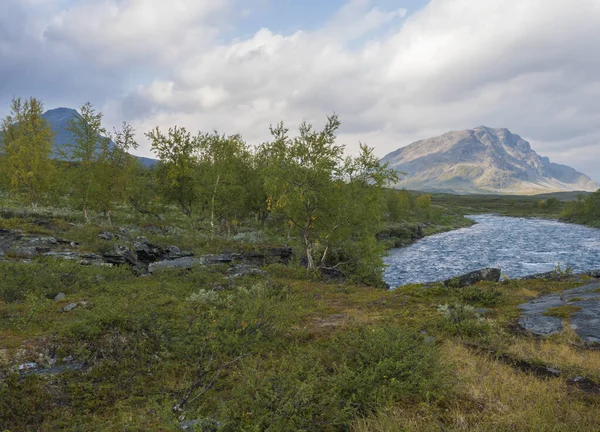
(518, 246)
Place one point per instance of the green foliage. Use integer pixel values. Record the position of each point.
(228, 180)
(463, 320)
(177, 151)
(26, 140)
(585, 210)
(114, 171)
(89, 145)
(49, 277)
(327, 385)
(549, 204)
(328, 201)
(480, 296)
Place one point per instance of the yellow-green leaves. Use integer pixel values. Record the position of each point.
(27, 143)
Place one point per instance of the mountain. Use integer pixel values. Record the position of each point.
(483, 160)
(59, 121)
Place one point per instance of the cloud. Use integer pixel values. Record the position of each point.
(530, 66)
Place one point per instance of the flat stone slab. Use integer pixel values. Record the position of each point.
(541, 325)
(585, 322)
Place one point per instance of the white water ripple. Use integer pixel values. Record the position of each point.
(519, 246)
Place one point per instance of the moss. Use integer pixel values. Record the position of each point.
(563, 312)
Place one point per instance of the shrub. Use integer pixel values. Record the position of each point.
(49, 277)
(325, 386)
(480, 296)
(463, 320)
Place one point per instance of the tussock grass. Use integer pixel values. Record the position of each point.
(492, 396)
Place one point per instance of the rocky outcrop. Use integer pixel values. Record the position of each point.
(581, 306)
(143, 257)
(487, 274)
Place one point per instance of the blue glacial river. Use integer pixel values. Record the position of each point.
(518, 246)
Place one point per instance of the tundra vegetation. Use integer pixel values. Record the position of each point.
(315, 344)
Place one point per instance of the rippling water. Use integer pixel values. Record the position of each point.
(518, 246)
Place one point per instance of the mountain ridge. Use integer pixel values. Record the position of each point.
(58, 119)
(483, 160)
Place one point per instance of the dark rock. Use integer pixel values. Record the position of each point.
(148, 252)
(106, 236)
(173, 252)
(121, 255)
(487, 274)
(593, 273)
(585, 385)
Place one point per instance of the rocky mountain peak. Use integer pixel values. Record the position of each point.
(483, 160)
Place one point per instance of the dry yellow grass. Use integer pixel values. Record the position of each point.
(492, 396)
(558, 353)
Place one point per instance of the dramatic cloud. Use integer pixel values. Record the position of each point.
(532, 66)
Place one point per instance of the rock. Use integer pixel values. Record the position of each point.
(149, 253)
(27, 366)
(179, 263)
(541, 325)
(173, 252)
(146, 251)
(106, 236)
(189, 425)
(70, 307)
(487, 274)
(585, 321)
(241, 270)
(59, 296)
(593, 273)
(121, 255)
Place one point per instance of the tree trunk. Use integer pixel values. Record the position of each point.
(212, 210)
(307, 246)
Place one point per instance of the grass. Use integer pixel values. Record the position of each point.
(564, 312)
(281, 353)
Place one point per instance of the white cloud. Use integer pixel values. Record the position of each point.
(531, 66)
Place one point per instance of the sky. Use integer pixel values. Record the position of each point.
(394, 71)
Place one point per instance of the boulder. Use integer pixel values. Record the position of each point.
(486, 274)
(148, 252)
(593, 273)
(121, 255)
(178, 263)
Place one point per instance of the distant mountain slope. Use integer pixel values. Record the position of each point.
(59, 121)
(483, 160)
